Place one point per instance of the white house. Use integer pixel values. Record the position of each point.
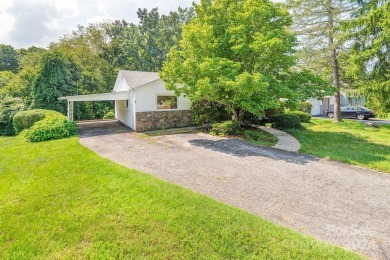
(142, 102)
(327, 103)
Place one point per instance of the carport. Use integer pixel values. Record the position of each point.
(112, 96)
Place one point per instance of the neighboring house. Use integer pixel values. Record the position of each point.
(142, 102)
(327, 103)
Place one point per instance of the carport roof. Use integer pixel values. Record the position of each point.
(124, 95)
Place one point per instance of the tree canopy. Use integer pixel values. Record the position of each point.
(243, 55)
(236, 53)
(322, 44)
(58, 77)
(370, 53)
(8, 58)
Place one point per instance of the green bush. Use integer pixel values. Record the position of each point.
(26, 119)
(305, 107)
(204, 112)
(286, 121)
(305, 117)
(268, 113)
(249, 118)
(109, 115)
(53, 126)
(225, 128)
(8, 108)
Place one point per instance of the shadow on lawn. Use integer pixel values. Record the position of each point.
(242, 148)
(342, 146)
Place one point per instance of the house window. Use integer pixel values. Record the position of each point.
(166, 102)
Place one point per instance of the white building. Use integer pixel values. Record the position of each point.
(142, 102)
(327, 103)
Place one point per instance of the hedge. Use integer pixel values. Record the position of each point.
(8, 108)
(205, 112)
(53, 126)
(26, 119)
(42, 125)
(225, 128)
(286, 121)
(109, 115)
(305, 117)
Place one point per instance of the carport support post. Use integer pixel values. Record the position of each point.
(70, 110)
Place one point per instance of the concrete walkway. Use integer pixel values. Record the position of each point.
(334, 202)
(285, 141)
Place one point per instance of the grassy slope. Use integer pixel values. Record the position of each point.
(60, 200)
(349, 141)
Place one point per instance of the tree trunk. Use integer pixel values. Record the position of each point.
(237, 115)
(335, 66)
(336, 83)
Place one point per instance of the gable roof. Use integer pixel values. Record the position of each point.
(135, 79)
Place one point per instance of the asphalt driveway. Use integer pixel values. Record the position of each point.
(333, 202)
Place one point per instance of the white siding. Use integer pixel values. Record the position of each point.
(146, 97)
(124, 112)
(132, 111)
(316, 109)
(121, 84)
(343, 99)
(317, 104)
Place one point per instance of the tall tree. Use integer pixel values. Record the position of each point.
(317, 24)
(58, 77)
(370, 53)
(8, 58)
(235, 53)
(86, 45)
(21, 84)
(145, 46)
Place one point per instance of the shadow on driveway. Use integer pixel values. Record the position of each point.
(241, 148)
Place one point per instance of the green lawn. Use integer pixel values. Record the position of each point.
(260, 137)
(350, 141)
(60, 200)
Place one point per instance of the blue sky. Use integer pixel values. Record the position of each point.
(25, 23)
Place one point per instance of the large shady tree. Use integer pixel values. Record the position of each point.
(369, 57)
(317, 23)
(58, 77)
(236, 53)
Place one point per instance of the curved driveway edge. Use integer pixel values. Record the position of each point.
(333, 202)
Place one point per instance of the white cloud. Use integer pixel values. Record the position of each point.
(6, 20)
(38, 22)
(67, 8)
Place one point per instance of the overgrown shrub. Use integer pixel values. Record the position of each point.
(53, 126)
(8, 108)
(305, 107)
(305, 117)
(204, 112)
(269, 113)
(249, 118)
(109, 115)
(286, 121)
(26, 119)
(225, 128)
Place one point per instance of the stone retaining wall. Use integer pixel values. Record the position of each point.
(147, 121)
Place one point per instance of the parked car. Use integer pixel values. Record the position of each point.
(361, 113)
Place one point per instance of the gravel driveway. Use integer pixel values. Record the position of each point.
(333, 202)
